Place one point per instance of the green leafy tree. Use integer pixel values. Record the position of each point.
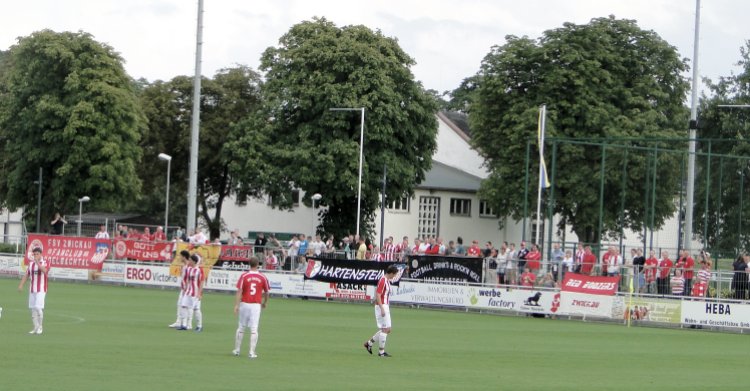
(727, 178)
(604, 79)
(318, 66)
(226, 100)
(67, 106)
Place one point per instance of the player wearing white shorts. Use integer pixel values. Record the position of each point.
(36, 273)
(251, 297)
(382, 312)
(191, 295)
(184, 256)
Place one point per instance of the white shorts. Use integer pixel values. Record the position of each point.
(189, 301)
(36, 300)
(384, 322)
(249, 315)
(179, 298)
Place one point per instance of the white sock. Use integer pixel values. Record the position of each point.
(238, 338)
(189, 318)
(253, 340)
(383, 336)
(375, 338)
(179, 309)
(199, 317)
(34, 318)
(40, 317)
(183, 316)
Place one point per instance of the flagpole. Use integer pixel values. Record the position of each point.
(542, 174)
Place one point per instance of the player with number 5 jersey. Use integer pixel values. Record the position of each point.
(251, 297)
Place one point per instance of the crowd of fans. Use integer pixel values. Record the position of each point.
(512, 265)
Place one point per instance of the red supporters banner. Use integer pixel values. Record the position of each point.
(592, 285)
(69, 252)
(236, 253)
(143, 251)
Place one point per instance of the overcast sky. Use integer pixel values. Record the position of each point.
(448, 39)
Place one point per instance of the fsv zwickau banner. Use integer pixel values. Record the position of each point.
(69, 252)
(349, 271)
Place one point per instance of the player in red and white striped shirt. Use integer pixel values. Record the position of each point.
(36, 273)
(382, 312)
(252, 295)
(192, 291)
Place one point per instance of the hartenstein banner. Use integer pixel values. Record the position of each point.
(591, 285)
(143, 251)
(69, 252)
(349, 271)
(452, 269)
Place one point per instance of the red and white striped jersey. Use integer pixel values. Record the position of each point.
(704, 275)
(252, 285)
(37, 279)
(384, 290)
(389, 252)
(192, 279)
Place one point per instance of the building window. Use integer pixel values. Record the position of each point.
(398, 205)
(295, 197)
(485, 210)
(460, 207)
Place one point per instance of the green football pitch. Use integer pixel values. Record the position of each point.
(116, 338)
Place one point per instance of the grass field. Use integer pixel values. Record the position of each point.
(116, 338)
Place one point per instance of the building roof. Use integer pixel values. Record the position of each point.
(444, 177)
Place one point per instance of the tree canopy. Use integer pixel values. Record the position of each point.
(318, 66)
(67, 106)
(727, 177)
(227, 100)
(601, 80)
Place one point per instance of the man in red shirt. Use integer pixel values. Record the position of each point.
(589, 259)
(251, 297)
(665, 267)
(36, 273)
(650, 269)
(159, 235)
(474, 250)
(146, 236)
(533, 258)
(687, 264)
(382, 312)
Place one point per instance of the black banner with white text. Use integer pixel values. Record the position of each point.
(349, 271)
(452, 269)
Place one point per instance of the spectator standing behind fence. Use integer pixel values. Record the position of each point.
(665, 267)
(740, 278)
(532, 259)
(638, 261)
(57, 224)
(361, 250)
(474, 250)
(700, 287)
(687, 264)
(460, 249)
(159, 235)
(234, 238)
(521, 256)
(614, 262)
(260, 243)
(650, 271)
(271, 262)
(502, 262)
(511, 270)
(102, 234)
(588, 262)
(557, 257)
(580, 252)
(146, 236)
(677, 283)
(567, 263)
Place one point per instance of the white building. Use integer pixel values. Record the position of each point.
(11, 226)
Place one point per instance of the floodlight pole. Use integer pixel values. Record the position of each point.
(692, 134)
(361, 154)
(194, 126)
